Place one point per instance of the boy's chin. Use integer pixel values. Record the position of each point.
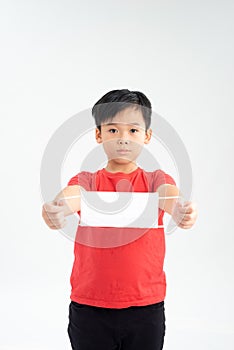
(122, 160)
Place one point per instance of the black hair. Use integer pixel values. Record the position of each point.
(117, 100)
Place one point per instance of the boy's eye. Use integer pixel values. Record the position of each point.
(114, 131)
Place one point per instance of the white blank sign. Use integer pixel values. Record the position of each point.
(119, 209)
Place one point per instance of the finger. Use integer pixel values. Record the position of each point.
(188, 203)
(52, 208)
(62, 224)
(58, 225)
(182, 217)
(55, 216)
(186, 210)
(56, 222)
(59, 202)
(191, 205)
(186, 217)
(184, 226)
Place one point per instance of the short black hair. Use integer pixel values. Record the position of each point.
(117, 100)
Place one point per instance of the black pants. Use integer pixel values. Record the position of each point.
(132, 328)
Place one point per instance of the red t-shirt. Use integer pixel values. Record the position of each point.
(127, 275)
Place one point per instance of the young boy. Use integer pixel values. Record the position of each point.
(117, 299)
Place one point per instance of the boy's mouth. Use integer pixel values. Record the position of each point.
(123, 151)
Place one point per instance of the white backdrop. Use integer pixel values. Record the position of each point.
(58, 58)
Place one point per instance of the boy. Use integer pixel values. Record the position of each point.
(117, 299)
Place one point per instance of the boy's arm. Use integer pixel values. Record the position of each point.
(70, 205)
(167, 190)
(185, 214)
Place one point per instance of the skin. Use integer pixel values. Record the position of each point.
(126, 132)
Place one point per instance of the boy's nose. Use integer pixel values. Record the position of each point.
(121, 141)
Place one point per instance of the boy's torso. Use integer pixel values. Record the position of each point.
(127, 275)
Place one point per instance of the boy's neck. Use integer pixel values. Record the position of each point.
(125, 168)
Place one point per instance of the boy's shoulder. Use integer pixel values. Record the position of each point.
(86, 173)
(155, 175)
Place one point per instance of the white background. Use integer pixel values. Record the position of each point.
(58, 58)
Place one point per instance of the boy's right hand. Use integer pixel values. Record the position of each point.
(53, 215)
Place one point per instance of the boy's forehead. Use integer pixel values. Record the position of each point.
(127, 117)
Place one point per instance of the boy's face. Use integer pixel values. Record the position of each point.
(124, 137)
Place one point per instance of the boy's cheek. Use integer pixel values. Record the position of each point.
(111, 150)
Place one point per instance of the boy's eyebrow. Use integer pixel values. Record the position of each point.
(123, 123)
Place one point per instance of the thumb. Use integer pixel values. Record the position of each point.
(58, 202)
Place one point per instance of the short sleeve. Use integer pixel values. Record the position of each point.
(162, 178)
(82, 179)
(73, 181)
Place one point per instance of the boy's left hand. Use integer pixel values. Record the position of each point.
(185, 215)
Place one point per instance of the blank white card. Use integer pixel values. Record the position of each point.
(119, 209)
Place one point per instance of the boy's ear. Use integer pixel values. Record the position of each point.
(98, 135)
(148, 135)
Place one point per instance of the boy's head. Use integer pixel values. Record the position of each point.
(123, 121)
